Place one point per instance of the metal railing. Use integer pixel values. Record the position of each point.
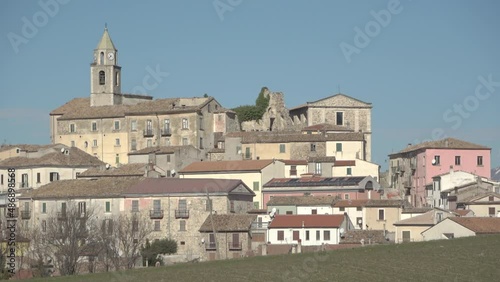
(181, 213)
(156, 214)
(234, 245)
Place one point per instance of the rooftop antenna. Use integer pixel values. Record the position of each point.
(106, 26)
(338, 86)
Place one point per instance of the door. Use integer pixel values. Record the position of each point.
(406, 236)
(236, 241)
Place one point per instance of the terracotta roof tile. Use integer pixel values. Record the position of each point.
(388, 203)
(323, 159)
(301, 200)
(136, 169)
(326, 127)
(307, 221)
(448, 143)
(160, 186)
(221, 166)
(345, 163)
(228, 223)
(480, 225)
(350, 203)
(294, 162)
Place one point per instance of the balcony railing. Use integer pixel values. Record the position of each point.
(259, 225)
(26, 214)
(247, 156)
(25, 185)
(166, 132)
(181, 213)
(293, 172)
(234, 245)
(210, 246)
(156, 214)
(148, 133)
(62, 215)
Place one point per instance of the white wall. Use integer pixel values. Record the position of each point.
(288, 238)
(446, 226)
(353, 214)
(320, 209)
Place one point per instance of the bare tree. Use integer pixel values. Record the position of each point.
(131, 233)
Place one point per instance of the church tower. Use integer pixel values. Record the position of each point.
(105, 74)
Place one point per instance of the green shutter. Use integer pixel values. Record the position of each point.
(108, 206)
(339, 147)
(256, 186)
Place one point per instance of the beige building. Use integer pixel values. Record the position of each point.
(254, 173)
(111, 124)
(40, 165)
(410, 229)
(456, 227)
(484, 204)
(382, 214)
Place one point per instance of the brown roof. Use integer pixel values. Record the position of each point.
(388, 203)
(286, 137)
(316, 181)
(416, 210)
(321, 159)
(425, 219)
(137, 169)
(462, 212)
(257, 211)
(161, 150)
(79, 108)
(350, 203)
(480, 225)
(222, 166)
(25, 147)
(448, 143)
(301, 200)
(74, 158)
(161, 186)
(217, 150)
(326, 127)
(345, 163)
(228, 223)
(369, 237)
(307, 221)
(84, 188)
(472, 199)
(294, 162)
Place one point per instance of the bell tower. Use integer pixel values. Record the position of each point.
(105, 74)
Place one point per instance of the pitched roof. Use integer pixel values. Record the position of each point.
(324, 159)
(136, 169)
(307, 221)
(162, 186)
(326, 127)
(345, 163)
(350, 203)
(315, 181)
(222, 166)
(388, 203)
(74, 158)
(161, 150)
(472, 199)
(84, 188)
(301, 200)
(480, 225)
(25, 147)
(425, 219)
(287, 137)
(106, 42)
(368, 236)
(416, 210)
(329, 97)
(228, 223)
(294, 162)
(462, 212)
(448, 143)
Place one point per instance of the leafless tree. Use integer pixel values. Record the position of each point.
(131, 232)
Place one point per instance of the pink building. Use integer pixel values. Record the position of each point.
(412, 169)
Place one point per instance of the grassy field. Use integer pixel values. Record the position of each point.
(466, 259)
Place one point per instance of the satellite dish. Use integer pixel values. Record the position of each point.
(273, 210)
(173, 171)
(341, 230)
(62, 150)
(433, 161)
(108, 166)
(203, 240)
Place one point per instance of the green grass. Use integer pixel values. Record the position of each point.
(465, 259)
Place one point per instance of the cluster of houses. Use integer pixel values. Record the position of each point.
(296, 180)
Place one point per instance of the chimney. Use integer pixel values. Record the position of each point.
(446, 143)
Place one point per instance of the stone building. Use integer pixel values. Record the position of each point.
(110, 124)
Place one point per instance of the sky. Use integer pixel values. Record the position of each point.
(430, 68)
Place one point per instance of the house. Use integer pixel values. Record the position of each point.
(226, 236)
(410, 229)
(295, 168)
(127, 170)
(382, 214)
(341, 187)
(169, 159)
(452, 197)
(254, 173)
(456, 227)
(44, 164)
(310, 230)
(484, 204)
(445, 182)
(110, 124)
(301, 204)
(354, 209)
(334, 167)
(413, 168)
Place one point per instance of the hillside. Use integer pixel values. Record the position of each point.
(465, 259)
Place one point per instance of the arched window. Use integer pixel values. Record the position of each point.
(117, 78)
(101, 58)
(102, 78)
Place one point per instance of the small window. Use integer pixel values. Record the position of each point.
(437, 160)
(168, 158)
(296, 235)
(256, 205)
(338, 147)
(341, 209)
(157, 225)
(340, 118)
(491, 211)
(289, 212)
(72, 128)
(1, 179)
(201, 122)
(44, 225)
(108, 206)
(491, 198)
(318, 235)
(256, 185)
(359, 208)
(102, 78)
(117, 125)
(317, 168)
(54, 176)
(44, 207)
(381, 214)
(182, 225)
(201, 142)
(117, 158)
(117, 142)
(38, 177)
(480, 160)
(282, 148)
(314, 211)
(307, 235)
(457, 160)
(281, 235)
(185, 124)
(94, 126)
(135, 205)
(133, 144)
(326, 235)
(133, 125)
(313, 147)
(94, 143)
(349, 171)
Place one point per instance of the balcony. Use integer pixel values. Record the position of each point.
(62, 215)
(26, 214)
(210, 246)
(156, 214)
(293, 172)
(181, 213)
(148, 133)
(166, 132)
(234, 246)
(25, 185)
(259, 225)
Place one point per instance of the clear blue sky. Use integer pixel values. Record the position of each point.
(415, 68)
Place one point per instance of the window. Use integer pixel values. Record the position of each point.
(117, 125)
(296, 235)
(449, 235)
(133, 144)
(182, 205)
(318, 235)
(82, 208)
(201, 142)
(256, 185)
(289, 212)
(491, 211)
(54, 176)
(94, 143)
(256, 205)
(38, 176)
(101, 58)
(313, 147)
(317, 168)
(293, 170)
(341, 209)
(72, 128)
(102, 78)
(108, 206)
(86, 144)
(208, 205)
(117, 78)
(381, 214)
(185, 141)
(248, 155)
(135, 205)
(117, 142)
(117, 158)
(307, 235)
(182, 225)
(44, 225)
(282, 148)
(338, 147)
(201, 122)
(457, 160)
(231, 206)
(480, 160)
(168, 158)
(185, 124)
(133, 125)
(359, 208)
(281, 235)
(24, 180)
(166, 125)
(167, 141)
(340, 118)
(437, 160)
(326, 235)
(439, 216)
(94, 126)
(44, 207)
(359, 222)
(157, 225)
(314, 211)
(107, 226)
(349, 171)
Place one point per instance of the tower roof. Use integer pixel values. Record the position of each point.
(106, 42)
